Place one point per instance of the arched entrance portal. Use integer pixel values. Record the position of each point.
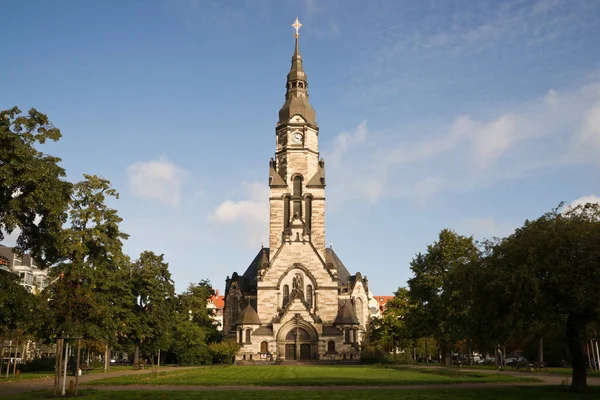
(298, 341)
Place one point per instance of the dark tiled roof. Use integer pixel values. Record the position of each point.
(264, 331)
(275, 180)
(332, 258)
(318, 180)
(248, 281)
(248, 316)
(331, 331)
(346, 314)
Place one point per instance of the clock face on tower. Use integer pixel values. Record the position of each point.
(296, 138)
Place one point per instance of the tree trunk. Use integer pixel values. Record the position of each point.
(470, 353)
(579, 380)
(106, 358)
(541, 349)
(426, 353)
(136, 355)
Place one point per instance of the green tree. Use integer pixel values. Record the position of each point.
(153, 302)
(195, 328)
(391, 331)
(33, 193)
(547, 274)
(16, 304)
(438, 289)
(90, 296)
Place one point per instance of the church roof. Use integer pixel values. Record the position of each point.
(248, 316)
(263, 330)
(318, 180)
(248, 281)
(331, 331)
(296, 96)
(342, 272)
(275, 180)
(346, 314)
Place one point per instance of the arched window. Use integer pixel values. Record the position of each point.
(297, 193)
(286, 211)
(348, 335)
(248, 335)
(264, 347)
(309, 295)
(235, 309)
(308, 213)
(286, 294)
(360, 310)
(331, 346)
(297, 186)
(355, 335)
(241, 335)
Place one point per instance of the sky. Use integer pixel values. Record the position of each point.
(433, 114)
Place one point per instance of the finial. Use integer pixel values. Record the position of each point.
(297, 25)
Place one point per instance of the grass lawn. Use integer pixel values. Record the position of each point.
(509, 393)
(308, 376)
(551, 370)
(26, 376)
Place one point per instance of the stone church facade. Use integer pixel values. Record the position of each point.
(297, 300)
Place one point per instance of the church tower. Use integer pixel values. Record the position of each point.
(296, 300)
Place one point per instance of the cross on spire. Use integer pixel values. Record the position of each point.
(297, 25)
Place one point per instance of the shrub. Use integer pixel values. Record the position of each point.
(223, 352)
(38, 365)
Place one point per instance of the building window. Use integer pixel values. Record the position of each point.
(308, 214)
(360, 310)
(235, 304)
(309, 295)
(248, 335)
(286, 211)
(286, 294)
(241, 334)
(331, 346)
(355, 335)
(348, 336)
(297, 192)
(264, 347)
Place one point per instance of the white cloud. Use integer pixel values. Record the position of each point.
(252, 213)
(157, 179)
(584, 200)
(346, 140)
(557, 129)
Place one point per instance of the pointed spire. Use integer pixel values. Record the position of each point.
(296, 97)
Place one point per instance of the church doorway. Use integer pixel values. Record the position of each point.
(299, 343)
(290, 351)
(305, 351)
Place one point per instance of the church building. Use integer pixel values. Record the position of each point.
(297, 300)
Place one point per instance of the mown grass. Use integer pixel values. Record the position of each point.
(508, 393)
(26, 376)
(309, 376)
(551, 370)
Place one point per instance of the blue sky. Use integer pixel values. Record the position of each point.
(434, 114)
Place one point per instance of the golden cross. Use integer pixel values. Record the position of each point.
(296, 25)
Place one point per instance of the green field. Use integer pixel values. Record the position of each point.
(509, 393)
(309, 376)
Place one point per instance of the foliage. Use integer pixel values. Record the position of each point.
(547, 274)
(90, 294)
(189, 344)
(16, 304)
(391, 332)
(153, 304)
(440, 291)
(38, 365)
(33, 195)
(224, 351)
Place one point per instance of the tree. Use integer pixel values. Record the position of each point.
(547, 274)
(195, 328)
(391, 331)
(438, 289)
(90, 293)
(16, 303)
(153, 302)
(33, 194)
